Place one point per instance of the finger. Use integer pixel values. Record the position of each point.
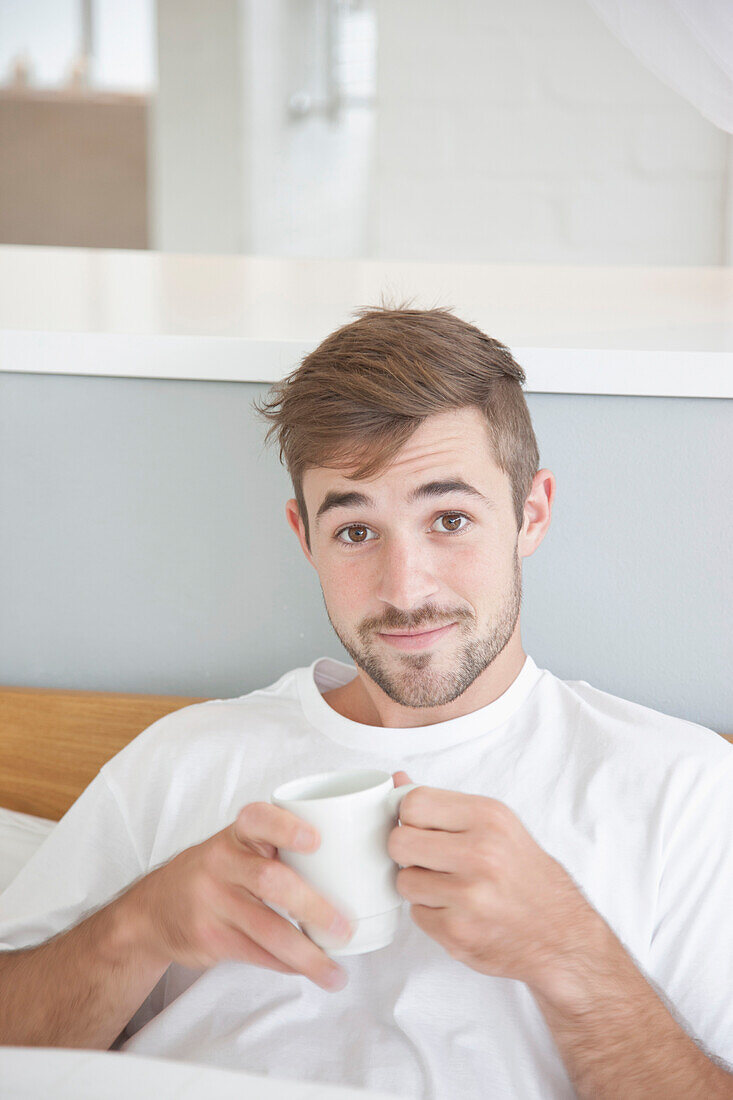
(400, 779)
(434, 889)
(452, 811)
(277, 884)
(261, 824)
(240, 946)
(430, 848)
(279, 938)
(244, 873)
(431, 920)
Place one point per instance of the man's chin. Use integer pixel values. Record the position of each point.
(416, 680)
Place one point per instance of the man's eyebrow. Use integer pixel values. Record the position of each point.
(334, 499)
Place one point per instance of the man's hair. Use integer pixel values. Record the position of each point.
(353, 402)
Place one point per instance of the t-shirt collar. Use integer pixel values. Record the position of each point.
(326, 673)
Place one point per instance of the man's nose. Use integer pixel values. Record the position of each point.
(406, 578)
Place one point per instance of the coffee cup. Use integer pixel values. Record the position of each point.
(354, 812)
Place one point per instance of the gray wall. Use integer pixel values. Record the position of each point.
(144, 545)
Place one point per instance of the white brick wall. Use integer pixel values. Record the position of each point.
(519, 131)
(528, 132)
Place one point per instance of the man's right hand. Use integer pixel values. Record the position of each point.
(212, 901)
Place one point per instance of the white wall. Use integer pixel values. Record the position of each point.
(197, 182)
(521, 132)
(527, 132)
(232, 169)
(502, 132)
(308, 175)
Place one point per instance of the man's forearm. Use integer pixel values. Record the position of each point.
(617, 1038)
(82, 987)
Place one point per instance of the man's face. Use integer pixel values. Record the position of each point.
(448, 558)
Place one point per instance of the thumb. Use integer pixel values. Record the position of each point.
(400, 778)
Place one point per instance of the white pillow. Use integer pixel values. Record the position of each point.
(20, 835)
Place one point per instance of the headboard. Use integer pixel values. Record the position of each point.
(53, 742)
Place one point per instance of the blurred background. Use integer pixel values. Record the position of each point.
(469, 131)
(311, 154)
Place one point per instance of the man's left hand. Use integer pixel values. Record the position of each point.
(483, 888)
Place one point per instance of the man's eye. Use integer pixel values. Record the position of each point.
(354, 527)
(451, 517)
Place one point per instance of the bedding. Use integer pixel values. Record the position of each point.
(20, 835)
(36, 1073)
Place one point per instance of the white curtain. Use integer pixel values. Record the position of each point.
(686, 43)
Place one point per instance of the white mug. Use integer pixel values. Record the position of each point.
(354, 812)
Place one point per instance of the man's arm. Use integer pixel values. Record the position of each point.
(82, 987)
(209, 903)
(481, 886)
(615, 1035)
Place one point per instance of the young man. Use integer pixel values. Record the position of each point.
(567, 864)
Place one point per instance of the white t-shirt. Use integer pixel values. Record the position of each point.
(636, 805)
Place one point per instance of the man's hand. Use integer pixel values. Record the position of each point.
(212, 901)
(495, 900)
(483, 888)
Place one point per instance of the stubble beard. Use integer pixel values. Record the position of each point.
(417, 683)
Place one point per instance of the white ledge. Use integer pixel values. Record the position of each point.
(657, 331)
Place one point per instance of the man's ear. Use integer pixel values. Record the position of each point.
(537, 512)
(292, 514)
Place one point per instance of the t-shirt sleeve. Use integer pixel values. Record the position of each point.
(691, 951)
(86, 861)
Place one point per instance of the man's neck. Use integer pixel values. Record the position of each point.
(361, 700)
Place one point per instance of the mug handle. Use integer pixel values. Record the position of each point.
(395, 796)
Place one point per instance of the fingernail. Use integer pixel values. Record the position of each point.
(336, 978)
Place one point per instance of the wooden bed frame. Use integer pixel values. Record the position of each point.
(53, 742)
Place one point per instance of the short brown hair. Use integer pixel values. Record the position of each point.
(354, 401)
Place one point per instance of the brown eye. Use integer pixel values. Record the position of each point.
(349, 541)
(452, 518)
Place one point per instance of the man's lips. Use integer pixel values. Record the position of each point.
(416, 639)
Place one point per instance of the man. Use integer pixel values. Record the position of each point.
(566, 859)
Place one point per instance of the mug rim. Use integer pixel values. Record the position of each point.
(280, 795)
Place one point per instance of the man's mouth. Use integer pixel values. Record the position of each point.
(416, 639)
